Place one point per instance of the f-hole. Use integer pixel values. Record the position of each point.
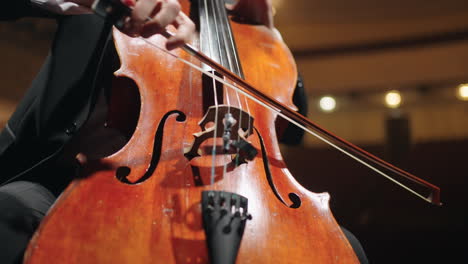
(122, 172)
(294, 198)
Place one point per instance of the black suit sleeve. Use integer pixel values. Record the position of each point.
(59, 99)
(288, 133)
(14, 9)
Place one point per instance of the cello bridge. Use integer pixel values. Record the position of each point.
(231, 124)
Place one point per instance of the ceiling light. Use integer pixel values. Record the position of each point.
(327, 103)
(393, 99)
(462, 92)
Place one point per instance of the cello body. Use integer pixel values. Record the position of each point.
(142, 204)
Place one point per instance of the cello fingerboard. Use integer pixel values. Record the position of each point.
(216, 38)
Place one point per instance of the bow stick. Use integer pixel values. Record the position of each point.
(367, 159)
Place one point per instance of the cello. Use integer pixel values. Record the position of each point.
(201, 178)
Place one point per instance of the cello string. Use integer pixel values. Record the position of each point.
(215, 95)
(218, 9)
(222, 33)
(277, 111)
(221, 59)
(239, 130)
(229, 40)
(218, 43)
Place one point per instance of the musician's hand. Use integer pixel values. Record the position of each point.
(151, 17)
(254, 11)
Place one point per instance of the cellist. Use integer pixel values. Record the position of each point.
(60, 121)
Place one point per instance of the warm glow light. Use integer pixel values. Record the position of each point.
(276, 3)
(327, 103)
(462, 92)
(393, 99)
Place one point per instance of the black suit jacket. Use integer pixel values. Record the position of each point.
(61, 96)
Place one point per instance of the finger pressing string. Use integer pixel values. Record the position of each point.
(164, 15)
(185, 30)
(150, 17)
(169, 11)
(139, 16)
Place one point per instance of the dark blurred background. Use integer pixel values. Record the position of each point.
(356, 51)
